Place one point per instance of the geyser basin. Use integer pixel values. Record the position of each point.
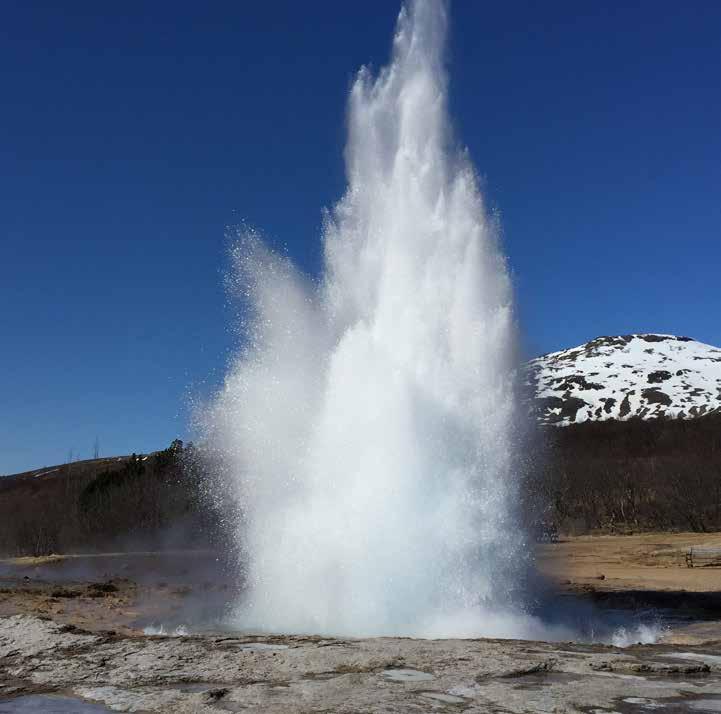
(367, 429)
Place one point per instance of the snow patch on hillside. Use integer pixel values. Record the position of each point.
(646, 376)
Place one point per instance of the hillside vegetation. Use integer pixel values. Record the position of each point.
(653, 474)
(133, 502)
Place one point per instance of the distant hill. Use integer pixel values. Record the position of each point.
(646, 376)
(118, 502)
(86, 467)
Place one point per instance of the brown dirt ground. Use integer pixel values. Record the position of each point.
(75, 604)
(648, 561)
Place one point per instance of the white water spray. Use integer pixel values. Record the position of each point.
(366, 428)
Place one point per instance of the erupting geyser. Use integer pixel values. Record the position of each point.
(367, 427)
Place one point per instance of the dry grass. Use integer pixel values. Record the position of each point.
(647, 561)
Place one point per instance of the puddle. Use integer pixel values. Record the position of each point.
(443, 697)
(321, 676)
(260, 646)
(544, 679)
(644, 702)
(49, 704)
(687, 704)
(195, 686)
(705, 705)
(696, 657)
(407, 675)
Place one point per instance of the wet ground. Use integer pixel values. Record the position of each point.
(73, 638)
(45, 664)
(49, 704)
(183, 592)
(127, 592)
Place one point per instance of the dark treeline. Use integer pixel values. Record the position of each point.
(134, 503)
(610, 476)
(630, 476)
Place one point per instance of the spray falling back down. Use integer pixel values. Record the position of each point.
(366, 427)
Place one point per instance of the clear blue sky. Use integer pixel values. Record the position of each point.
(132, 133)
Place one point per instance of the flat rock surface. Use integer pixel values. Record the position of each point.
(212, 673)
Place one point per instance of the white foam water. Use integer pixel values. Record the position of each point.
(163, 631)
(366, 428)
(637, 633)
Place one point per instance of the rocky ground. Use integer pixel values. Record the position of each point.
(77, 645)
(312, 674)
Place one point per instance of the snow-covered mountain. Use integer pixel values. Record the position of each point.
(647, 376)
